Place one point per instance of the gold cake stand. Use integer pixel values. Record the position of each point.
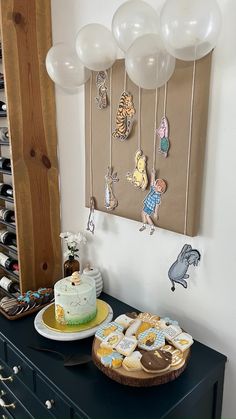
(46, 325)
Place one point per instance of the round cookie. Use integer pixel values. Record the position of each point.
(156, 361)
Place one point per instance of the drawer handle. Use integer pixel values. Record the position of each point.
(49, 404)
(10, 378)
(16, 369)
(3, 404)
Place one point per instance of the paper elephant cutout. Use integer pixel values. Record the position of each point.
(178, 271)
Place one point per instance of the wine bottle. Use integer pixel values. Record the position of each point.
(3, 108)
(7, 237)
(5, 164)
(9, 285)
(6, 190)
(7, 215)
(8, 262)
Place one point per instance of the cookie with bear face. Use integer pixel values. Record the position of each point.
(156, 361)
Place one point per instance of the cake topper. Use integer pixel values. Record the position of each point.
(75, 278)
(178, 270)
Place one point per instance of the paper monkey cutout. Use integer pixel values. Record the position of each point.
(152, 202)
(111, 201)
(178, 271)
(124, 117)
(139, 176)
(163, 133)
(90, 223)
(101, 99)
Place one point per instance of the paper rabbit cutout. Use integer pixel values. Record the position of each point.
(111, 201)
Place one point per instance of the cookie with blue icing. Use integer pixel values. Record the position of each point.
(108, 328)
(151, 339)
(114, 360)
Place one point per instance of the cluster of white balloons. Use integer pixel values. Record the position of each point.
(186, 29)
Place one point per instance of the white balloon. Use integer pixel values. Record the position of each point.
(190, 28)
(131, 20)
(65, 68)
(147, 62)
(96, 47)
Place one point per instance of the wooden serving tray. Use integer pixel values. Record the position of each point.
(139, 378)
(24, 313)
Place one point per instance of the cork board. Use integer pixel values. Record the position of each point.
(182, 169)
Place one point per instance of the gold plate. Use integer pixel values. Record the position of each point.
(49, 320)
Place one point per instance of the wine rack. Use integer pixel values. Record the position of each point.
(29, 94)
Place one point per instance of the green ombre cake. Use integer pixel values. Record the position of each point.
(75, 299)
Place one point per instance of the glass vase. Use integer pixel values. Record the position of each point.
(71, 265)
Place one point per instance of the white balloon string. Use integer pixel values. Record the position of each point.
(91, 136)
(110, 157)
(165, 99)
(139, 118)
(125, 81)
(155, 128)
(189, 146)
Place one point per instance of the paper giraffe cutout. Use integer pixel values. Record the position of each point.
(124, 117)
(111, 201)
(178, 271)
(139, 177)
(163, 133)
(101, 99)
(90, 223)
(152, 201)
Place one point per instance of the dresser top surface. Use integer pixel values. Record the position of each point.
(90, 390)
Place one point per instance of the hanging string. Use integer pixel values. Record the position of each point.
(189, 146)
(110, 156)
(91, 136)
(125, 81)
(165, 99)
(139, 118)
(155, 128)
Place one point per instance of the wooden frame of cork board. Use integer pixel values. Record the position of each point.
(182, 169)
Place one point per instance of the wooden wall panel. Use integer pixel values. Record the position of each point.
(26, 36)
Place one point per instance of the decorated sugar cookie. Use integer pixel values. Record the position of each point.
(170, 332)
(104, 351)
(138, 178)
(124, 320)
(114, 360)
(132, 362)
(183, 341)
(112, 340)
(166, 321)
(152, 202)
(132, 329)
(124, 117)
(144, 326)
(153, 319)
(127, 345)
(177, 356)
(106, 329)
(151, 339)
(156, 361)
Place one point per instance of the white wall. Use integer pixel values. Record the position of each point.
(135, 265)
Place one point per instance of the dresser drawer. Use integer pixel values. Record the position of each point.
(11, 407)
(20, 368)
(50, 399)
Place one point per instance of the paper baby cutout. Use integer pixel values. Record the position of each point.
(139, 176)
(124, 117)
(111, 201)
(178, 271)
(152, 202)
(163, 133)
